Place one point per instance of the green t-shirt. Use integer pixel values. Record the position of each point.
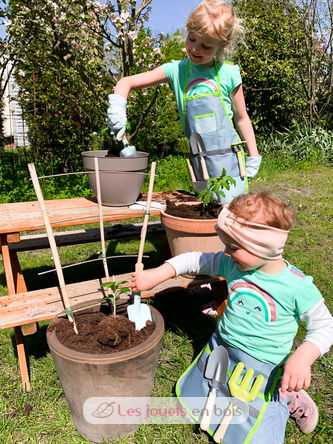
(202, 79)
(262, 313)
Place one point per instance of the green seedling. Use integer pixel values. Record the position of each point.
(215, 185)
(116, 291)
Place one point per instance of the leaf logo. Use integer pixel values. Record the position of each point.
(104, 410)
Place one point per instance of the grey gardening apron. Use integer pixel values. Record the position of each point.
(193, 384)
(206, 114)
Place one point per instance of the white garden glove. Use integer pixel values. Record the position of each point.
(116, 119)
(252, 166)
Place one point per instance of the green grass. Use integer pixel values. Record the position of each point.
(309, 247)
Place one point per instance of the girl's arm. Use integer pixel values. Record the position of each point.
(242, 120)
(319, 325)
(137, 81)
(297, 369)
(147, 279)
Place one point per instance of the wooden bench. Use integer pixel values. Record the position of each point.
(74, 237)
(39, 305)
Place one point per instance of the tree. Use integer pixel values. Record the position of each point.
(66, 55)
(284, 63)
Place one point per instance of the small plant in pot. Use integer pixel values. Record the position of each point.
(190, 225)
(106, 361)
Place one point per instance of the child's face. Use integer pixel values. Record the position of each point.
(201, 50)
(244, 260)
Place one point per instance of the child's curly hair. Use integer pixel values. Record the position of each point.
(216, 19)
(264, 208)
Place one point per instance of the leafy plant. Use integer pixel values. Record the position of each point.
(215, 185)
(116, 292)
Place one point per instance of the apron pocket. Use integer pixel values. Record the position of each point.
(205, 123)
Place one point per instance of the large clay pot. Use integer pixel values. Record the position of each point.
(83, 376)
(121, 177)
(190, 234)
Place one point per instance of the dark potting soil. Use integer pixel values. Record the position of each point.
(193, 211)
(176, 204)
(101, 333)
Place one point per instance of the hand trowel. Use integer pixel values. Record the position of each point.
(216, 372)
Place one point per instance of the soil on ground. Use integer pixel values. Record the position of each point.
(101, 333)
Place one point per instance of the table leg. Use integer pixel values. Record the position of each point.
(12, 290)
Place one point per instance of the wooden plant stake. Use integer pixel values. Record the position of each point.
(101, 224)
(53, 246)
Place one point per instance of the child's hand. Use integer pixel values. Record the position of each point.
(296, 375)
(147, 279)
(143, 280)
(297, 369)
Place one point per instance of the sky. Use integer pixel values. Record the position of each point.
(169, 15)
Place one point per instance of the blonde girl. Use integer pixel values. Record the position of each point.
(209, 95)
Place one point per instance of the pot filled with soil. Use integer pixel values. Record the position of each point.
(107, 359)
(189, 227)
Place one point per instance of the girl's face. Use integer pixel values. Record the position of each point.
(201, 50)
(244, 260)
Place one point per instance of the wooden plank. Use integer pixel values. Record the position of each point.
(26, 216)
(14, 284)
(44, 304)
(118, 231)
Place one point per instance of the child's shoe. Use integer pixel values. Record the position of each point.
(302, 409)
(210, 309)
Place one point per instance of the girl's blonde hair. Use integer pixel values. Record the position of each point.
(264, 208)
(216, 19)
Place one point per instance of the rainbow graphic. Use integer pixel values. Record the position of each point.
(201, 86)
(241, 289)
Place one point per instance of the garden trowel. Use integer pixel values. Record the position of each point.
(140, 313)
(216, 372)
(198, 146)
(128, 150)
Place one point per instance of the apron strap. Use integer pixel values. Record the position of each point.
(210, 153)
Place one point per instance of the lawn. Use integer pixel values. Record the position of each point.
(42, 416)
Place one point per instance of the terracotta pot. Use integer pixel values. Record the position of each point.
(121, 177)
(83, 376)
(190, 234)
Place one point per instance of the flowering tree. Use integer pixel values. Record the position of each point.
(66, 53)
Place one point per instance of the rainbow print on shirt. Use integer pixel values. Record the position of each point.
(253, 301)
(200, 86)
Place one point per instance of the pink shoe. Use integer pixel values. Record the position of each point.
(210, 309)
(302, 409)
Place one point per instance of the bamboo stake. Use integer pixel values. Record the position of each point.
(90, 260)
(147, 213)
(53, 245)
(101, 223)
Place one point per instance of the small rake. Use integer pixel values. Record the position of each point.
(238, 391)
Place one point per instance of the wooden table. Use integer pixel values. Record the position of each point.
(21, 309)
(26, 216)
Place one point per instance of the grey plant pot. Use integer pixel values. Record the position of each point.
(121, 177)
(129, 373)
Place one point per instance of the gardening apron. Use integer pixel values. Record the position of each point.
(193, 384)
(207, 115)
